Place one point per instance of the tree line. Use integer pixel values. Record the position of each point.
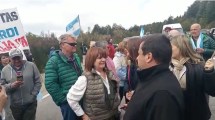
(202, 12)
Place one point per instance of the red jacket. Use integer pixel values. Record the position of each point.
(111, 51)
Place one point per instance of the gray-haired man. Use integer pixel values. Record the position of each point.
(61, 72)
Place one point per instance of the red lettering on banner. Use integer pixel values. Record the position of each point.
(22, 41)
(6, 45)
(2, 49)
(10, 43)
(16, 40)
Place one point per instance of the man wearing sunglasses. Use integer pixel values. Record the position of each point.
(62, 71)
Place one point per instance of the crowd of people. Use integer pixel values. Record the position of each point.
(159, 77)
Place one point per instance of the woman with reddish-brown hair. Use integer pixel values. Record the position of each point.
(96, 88)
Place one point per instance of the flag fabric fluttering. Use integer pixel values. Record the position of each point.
(141, 32)
(74, 27)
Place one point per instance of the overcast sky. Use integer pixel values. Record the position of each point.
(54, 15)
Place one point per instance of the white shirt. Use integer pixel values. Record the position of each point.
(77, 91)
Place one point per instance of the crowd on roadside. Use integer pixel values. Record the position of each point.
(160, 77)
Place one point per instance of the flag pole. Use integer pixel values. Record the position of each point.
(82, 43)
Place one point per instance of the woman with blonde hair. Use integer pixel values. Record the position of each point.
(195, 79)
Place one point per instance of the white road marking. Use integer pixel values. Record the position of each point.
(45, 96)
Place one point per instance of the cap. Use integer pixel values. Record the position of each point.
(15, 52)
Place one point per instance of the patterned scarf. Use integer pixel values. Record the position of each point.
(199, 42)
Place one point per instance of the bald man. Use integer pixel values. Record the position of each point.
(173, 33)
(202, 44)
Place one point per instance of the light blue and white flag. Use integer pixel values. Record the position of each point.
(141, 32)
(74, 27)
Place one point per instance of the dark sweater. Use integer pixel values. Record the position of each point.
(158, 96)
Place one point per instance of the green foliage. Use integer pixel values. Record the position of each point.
(202, 12)
(40, 47)
(192, 10)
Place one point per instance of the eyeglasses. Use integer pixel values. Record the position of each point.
(71, 44)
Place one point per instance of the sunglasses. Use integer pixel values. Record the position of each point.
(71, 44)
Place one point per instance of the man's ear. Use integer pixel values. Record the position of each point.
(149, 57)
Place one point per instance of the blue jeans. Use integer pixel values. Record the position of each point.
(67, 112)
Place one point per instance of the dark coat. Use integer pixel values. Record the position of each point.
(158, 96)
(132, 80)
(198, 84)
(208, 46)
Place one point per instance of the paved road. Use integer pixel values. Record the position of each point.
(47, 110)
(212, 107)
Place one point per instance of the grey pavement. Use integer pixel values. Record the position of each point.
(212, 107)
(47, 109)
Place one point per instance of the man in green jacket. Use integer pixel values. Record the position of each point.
(202, 44)
(61, 72)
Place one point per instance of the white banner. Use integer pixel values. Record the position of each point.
(12, 34)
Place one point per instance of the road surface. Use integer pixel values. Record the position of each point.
(47, 110)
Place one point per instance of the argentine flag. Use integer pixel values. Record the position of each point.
(74, 27)
(141, 32)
